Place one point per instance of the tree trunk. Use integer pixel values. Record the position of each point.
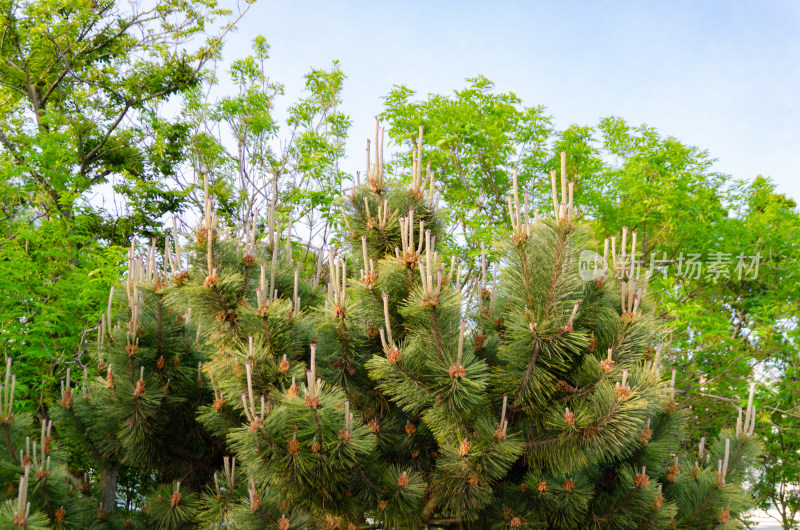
(108, 486)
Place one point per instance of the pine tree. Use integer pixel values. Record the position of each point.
(140, 412)
(254, 397)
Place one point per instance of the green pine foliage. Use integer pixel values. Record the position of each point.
(401, 395)
(140, 412)
(39, 491)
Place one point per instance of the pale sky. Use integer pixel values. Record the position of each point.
(722, 75)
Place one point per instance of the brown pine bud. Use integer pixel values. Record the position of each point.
(402, 480)
(724, 515)
(159, 284)
(383, 505)
(283, 523)
(294, 447)
(66, 400)
(255, 501)
(457, 371)
(480, 340)
(368, 280)
(410, 429)
(316, 447)
(473, 479)
(283, 366)
(499, 434)
(542, 486)
(644, 437)
(202, 235)
(160, 363)
(658, 502)
(176, 499)
(564, 387)
(394, 355)
(569, 486)
(641, 480)
(464, 449)
(60, 514)
(515, 522)
(672, 473)
(569, 417)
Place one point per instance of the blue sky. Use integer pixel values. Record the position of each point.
(722, 75)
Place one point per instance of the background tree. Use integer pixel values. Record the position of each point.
(51, 298)
(766, 313)
(776, 486)
(472, 140)
(82, 91)
(624, 176)
(255, 163)
(83, 87)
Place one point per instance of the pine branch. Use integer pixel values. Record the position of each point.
(528, 371)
